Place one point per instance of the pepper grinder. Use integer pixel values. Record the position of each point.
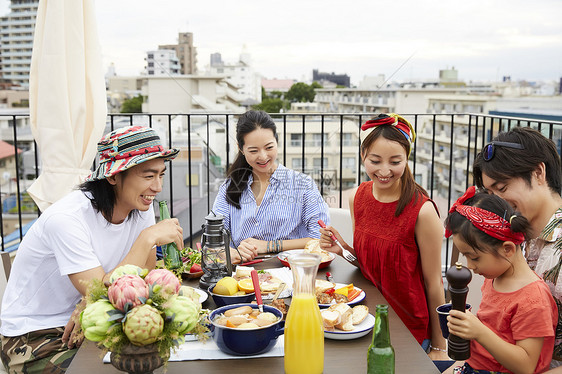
(458, 277)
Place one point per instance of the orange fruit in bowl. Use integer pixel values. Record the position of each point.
(246, 285)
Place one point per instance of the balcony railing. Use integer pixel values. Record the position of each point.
(441, 163)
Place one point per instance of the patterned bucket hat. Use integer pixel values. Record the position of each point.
(126, 147)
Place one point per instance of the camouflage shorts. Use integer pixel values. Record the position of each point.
(37, 352)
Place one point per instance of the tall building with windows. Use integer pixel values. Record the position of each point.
(185, 52)
(240, 74)
(162, 62)
(16, 41)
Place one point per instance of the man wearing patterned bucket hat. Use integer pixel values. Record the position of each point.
(107, 222)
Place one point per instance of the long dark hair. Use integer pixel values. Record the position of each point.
(474, 237)
(510, 163)
(239, 172)
(409, 188)
(102, 196)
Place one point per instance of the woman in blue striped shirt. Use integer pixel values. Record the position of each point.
(267, 207)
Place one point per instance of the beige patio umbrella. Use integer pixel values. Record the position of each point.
(67, 99)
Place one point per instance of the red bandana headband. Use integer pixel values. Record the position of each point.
(392, 119)
(484, 220)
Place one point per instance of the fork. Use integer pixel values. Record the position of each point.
(345, 253)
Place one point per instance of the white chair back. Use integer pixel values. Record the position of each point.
(4, 272)
(340, 219)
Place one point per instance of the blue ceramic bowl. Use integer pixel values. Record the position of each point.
(246, 342)
(221, 300)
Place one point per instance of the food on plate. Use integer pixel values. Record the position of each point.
(239, 311)
(248, 325)
(342, 317)
(313, 246)
(346, 316)
(191, 259)
(267, 316)
(189, 292)
(360, 312)
(195, 268)
(323, 285)
(326, 294)
(268, 283)
(330, 318)
(246, 285)
(245, 317)
(280, 304)
(226, 286)
(243, 271)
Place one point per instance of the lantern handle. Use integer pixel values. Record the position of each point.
(227, 249)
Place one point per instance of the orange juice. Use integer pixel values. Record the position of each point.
(304, 336)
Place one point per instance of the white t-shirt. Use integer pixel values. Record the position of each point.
(69, 237)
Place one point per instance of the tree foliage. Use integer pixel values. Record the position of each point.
(277, 100)
(271, 105)
(302, 92)
(133, 105)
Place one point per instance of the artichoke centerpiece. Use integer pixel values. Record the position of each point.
(141, 316)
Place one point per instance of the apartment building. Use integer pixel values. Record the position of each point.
(162, 62)
(408, 99)
(16, 41)
(240, 74)
(189, 94)
(186, 53)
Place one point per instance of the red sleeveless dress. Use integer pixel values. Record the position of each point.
(389, 256)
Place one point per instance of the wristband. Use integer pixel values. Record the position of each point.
(437, 349)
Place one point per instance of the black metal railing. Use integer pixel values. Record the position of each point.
(441, 158)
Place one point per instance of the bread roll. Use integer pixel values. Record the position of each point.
(346, 316)
(243, 271)
(312, 245)
(323, 285)
(359, 312)
(330, 318)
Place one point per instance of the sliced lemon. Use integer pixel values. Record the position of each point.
(226, 286)
(246, 285)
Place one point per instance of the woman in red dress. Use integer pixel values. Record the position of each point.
(397, 232)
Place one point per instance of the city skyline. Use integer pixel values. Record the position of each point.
(403, 39)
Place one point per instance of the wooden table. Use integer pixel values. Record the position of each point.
(340, 356)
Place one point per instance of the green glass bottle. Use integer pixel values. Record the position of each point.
(380, 357)
(170, 251)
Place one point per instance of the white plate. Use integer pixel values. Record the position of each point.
(202, 295)
(360, 330)
(284, 257)
(283, 274)
(354, 301)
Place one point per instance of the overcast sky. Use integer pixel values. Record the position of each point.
(483, 39)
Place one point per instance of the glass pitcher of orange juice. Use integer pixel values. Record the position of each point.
(304, 331)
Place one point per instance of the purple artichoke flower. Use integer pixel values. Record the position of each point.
(126, 289)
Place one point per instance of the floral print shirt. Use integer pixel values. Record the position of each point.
(544, 256)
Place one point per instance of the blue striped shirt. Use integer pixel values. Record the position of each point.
(290, 209)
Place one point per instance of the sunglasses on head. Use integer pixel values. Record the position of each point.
(488, 150)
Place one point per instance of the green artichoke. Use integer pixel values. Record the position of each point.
(184, 311)
(127, 269)
(190, 293)
(143, 325)
(95, 320)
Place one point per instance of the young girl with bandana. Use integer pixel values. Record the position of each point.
(514, 327)
(397, 231)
